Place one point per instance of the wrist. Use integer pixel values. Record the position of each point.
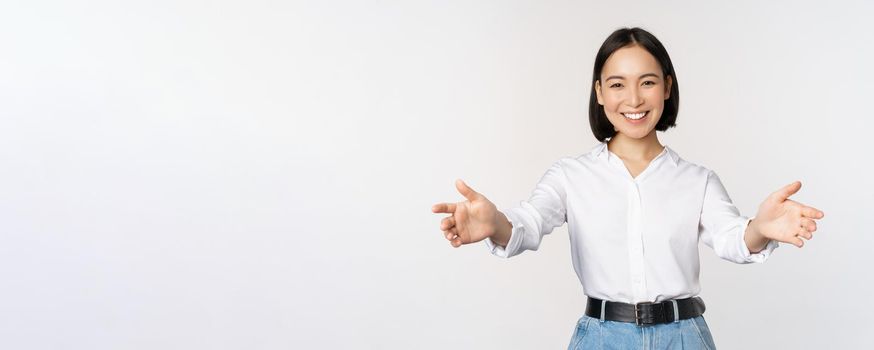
(753, 237)
(503, 229)
(753, 229)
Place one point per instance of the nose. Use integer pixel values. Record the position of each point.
(635, 99)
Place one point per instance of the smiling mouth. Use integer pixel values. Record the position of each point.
(636, 116)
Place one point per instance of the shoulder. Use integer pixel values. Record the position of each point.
(587, 158)
(573, 163)
(687, 167)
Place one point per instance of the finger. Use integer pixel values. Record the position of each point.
(465, 190)
(788, 190)
(450, 234)
(456, 242)
(443, 208)
(802, 233)
(808, 224)
(796, 241)
(447, 223)
(812, 213)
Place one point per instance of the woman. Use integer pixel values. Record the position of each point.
(635, 211)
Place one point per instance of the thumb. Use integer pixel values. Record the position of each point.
(465, 190)
(788, 190)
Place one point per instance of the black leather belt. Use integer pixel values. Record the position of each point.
(646, 313)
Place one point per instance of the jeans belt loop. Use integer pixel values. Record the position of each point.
(603, 309)
(676, 311)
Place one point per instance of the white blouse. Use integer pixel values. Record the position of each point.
(632, 239)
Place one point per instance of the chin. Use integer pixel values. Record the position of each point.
(635, 134)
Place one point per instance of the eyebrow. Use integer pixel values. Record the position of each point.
(641, 77)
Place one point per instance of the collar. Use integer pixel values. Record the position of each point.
(601, 151)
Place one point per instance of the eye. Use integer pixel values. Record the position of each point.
(649, 82)
(616, 85)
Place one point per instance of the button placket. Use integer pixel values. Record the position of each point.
(635, 243)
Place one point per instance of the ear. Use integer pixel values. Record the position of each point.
(598, 92)
(669, 82)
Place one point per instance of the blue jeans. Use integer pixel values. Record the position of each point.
(686, 334)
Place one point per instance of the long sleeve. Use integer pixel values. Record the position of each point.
(544, 210)
(722, 227)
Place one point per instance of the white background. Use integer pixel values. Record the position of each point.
(259, 174)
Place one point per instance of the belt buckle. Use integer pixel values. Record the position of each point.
(637, 319)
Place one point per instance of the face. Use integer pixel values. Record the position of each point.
(633, 90)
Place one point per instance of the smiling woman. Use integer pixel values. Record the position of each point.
(639, 78)
(635, 210)
(639, 95)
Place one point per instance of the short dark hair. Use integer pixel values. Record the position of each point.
(624, 37)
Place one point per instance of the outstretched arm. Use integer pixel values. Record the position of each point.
(782, 219)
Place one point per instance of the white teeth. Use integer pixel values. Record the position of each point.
(634, 116)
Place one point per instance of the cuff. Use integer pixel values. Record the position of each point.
(759, 257)
(516, 233)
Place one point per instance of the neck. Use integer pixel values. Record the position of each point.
(642, 149)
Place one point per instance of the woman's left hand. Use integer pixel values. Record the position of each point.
(785, 220)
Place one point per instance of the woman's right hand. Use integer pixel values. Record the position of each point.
(470, 221)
